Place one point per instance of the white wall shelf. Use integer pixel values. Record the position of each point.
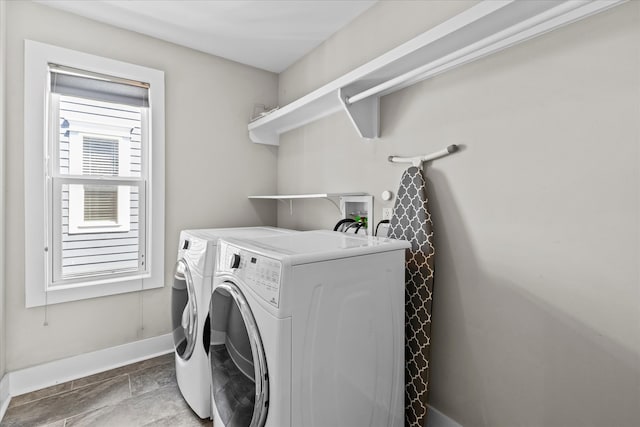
(307, 196)
(483, 29)
(349, 204)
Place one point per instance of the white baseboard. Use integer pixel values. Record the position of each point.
(5, 396)
(438, 419)
(71, 368)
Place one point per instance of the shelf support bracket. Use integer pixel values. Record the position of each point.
(364, 114)
(261, 136)
(290, 204)
(333, 202)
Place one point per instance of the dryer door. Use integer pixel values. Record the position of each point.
(184, 311)
(239, 378)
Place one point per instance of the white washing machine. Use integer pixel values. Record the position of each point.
(307, 329)
(190, 296)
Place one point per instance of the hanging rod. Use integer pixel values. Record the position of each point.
(418, 160)
(495, 42)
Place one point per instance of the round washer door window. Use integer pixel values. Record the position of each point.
(240, 382)
(184, 311)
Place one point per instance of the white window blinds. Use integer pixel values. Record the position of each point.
(85, 84)
(100, 156)
(101, 203)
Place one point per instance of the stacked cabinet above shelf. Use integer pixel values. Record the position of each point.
(488, 27)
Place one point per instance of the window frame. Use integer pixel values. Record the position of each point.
(38, 206)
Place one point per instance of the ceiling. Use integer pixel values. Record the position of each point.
(265, 34)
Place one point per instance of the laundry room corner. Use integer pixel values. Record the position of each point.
(353, 213)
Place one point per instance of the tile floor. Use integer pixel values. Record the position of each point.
(141, 394)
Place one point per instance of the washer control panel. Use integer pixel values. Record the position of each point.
(260, 273)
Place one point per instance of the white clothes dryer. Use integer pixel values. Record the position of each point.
(190, 296)
(307, 329)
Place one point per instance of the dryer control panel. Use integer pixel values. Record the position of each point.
(260, 273)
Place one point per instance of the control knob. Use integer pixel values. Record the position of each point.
(235, 260)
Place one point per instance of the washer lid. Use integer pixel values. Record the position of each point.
(198, 246)
(213, 234)
(321, 245)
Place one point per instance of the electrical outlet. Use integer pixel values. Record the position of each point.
(386, 213)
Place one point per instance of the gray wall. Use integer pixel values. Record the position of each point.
(210, 169)
(536, 318)
(2, 184)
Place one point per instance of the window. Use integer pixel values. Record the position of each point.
(94, 208)
(94, 177)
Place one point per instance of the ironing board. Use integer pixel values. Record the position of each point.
(411, 221)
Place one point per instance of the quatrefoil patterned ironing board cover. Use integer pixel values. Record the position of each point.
(411, 221)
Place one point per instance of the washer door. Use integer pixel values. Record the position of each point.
(239, 378)
(184, 311)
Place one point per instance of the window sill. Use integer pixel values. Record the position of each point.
(99, 228)
(92, 289)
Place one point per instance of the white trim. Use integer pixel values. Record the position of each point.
(438, 419)
(101, 130)
(5, 396)
(63, 370)
(37, 57)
